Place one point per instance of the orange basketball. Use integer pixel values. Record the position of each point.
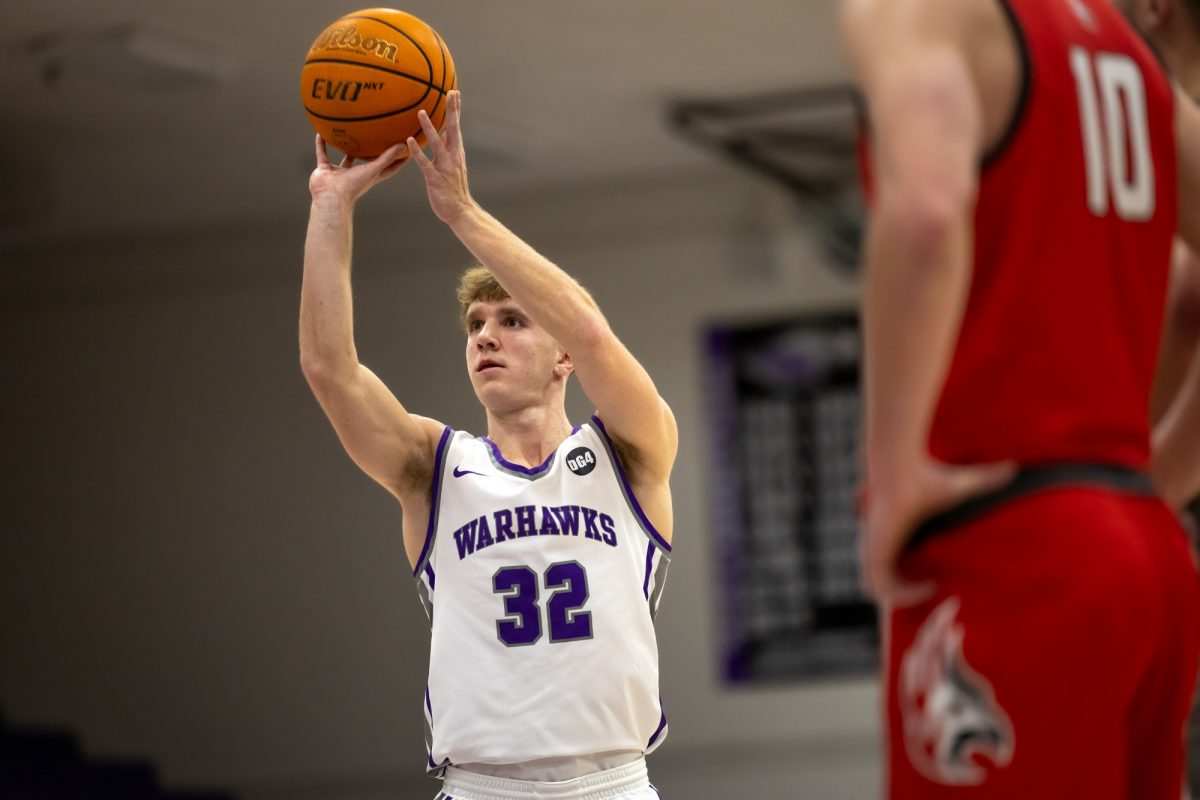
(368, 74)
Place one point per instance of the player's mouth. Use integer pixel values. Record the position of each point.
(487, 365)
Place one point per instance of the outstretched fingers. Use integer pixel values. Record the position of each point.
(452, 130)
(322, 153)
(395, 159)
(880, 575)
(391, 170)
(431, 135)
(418, 155)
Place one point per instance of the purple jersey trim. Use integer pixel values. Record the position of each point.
(500, 459)
(429, 712)
(433, 768)
(662, 723)
(649, 566)
(633, 501)
(432, 577)
(435, 496)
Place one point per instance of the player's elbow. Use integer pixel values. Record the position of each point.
(320, 370)
(593, 332)
(590, 334)
(315, 372)
(922, 218)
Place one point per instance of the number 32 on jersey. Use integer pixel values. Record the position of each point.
(1116, 134)
(567, 620)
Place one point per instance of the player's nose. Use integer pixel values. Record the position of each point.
(486, 339)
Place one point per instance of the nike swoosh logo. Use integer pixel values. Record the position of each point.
(458, 473)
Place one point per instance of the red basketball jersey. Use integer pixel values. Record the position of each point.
(1073, 230)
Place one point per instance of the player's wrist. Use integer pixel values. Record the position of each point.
(463, 215)
(332, 201)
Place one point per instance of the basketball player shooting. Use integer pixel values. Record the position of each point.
(1031, 165)
(540, 549)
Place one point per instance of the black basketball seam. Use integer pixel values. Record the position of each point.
(360, 119)
(445, 65)
(442, 90)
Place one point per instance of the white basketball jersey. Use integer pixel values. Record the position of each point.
(541, 585)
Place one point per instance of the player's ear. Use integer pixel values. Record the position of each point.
(564, 366)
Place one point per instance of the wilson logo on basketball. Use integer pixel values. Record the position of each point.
(347, 37)
(581, 461)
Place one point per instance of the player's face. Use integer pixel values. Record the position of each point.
(513, 363)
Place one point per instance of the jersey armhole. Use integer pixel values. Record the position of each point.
(439, 463)
(627, 490)
(1018, 114)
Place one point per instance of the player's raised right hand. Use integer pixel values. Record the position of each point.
(347, 181)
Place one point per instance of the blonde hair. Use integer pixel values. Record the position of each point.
(477, 284)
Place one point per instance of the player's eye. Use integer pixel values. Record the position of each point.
(513, 322)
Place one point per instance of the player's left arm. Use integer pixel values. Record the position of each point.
(1181, 330)
(634, 414)
(927, 141)
(1175, 463)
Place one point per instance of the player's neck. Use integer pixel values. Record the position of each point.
(529, 436)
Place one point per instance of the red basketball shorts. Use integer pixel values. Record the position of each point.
(1056, 660)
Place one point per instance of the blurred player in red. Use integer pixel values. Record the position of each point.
(1031, 163)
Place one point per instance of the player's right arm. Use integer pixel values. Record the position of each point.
(1176, 459)
(392, 446)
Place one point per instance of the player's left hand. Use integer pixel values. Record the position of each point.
(446, 172)
(897, 502)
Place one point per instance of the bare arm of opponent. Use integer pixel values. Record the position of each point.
(626, 400)
(1181, 330)
(392, 446)
(928, 137)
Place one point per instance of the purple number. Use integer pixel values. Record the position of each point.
(567, 622)
(523, 625)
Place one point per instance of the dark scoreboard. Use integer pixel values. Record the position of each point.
(784, 406)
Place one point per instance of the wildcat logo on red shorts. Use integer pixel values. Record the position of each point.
(952, 722)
